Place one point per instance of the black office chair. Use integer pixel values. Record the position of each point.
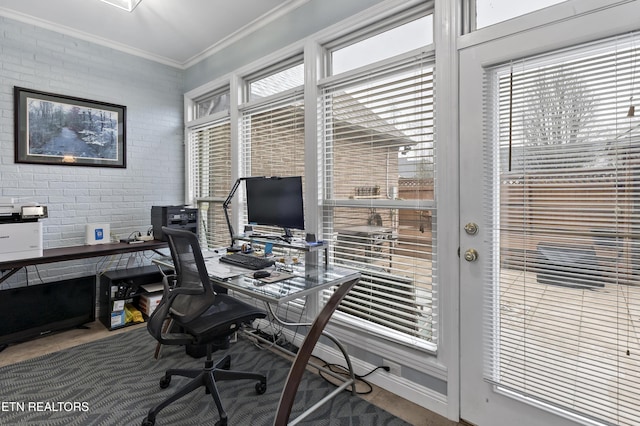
(200, 316)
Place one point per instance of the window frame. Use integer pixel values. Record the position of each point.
(256, 106)
(434, 365)
(195, 124)
(388, 65)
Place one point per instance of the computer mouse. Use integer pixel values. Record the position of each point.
(261, 274)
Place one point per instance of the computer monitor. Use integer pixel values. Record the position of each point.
(275, 201)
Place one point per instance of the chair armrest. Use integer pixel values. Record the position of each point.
(166, 280)
(171, 291)
(187, 291)
(169, 283)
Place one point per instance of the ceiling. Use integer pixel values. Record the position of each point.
(174, 32)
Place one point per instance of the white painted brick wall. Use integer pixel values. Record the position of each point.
(43, 60)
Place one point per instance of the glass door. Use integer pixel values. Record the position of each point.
(550, 230)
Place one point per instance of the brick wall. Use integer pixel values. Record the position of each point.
(43, 60)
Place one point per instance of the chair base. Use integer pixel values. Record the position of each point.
(207, 378)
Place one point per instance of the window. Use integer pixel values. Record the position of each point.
(379, 200)
(209, 166)
(212, 104)
(489, 12)
(278, 82)
(376, 154)
(564, 273)
(272, 139)
(392, 42)
(272, 128)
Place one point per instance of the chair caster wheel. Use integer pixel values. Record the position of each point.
(261, 388)
(164, 382)
(148, 422)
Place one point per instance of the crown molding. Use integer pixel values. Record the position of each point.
(211, 50)
(72, 32)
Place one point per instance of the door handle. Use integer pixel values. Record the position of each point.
(471, 255)
(471, 228)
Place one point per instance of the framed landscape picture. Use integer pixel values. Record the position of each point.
(57, 129)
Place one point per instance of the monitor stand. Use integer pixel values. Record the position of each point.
(288, 236)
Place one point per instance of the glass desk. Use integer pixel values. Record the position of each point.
(306, 280)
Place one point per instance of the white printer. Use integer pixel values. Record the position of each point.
(20, 229)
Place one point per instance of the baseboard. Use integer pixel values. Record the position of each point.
(404, 388)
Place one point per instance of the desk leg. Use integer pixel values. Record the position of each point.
(304, 354)
(329, 336)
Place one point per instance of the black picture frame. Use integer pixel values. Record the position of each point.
(65, 130)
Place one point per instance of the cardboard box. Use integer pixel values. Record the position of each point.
(149, 301)
(117, 319)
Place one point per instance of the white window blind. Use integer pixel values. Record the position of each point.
(379, 207)
(272, 132)
(273, 140)
(210, 174)
(563, 293)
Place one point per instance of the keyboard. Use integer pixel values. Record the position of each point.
(247, 261)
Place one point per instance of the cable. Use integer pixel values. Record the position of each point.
(38, 273)
(277, 338)
(343, 371)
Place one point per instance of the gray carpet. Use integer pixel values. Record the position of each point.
(114, 381)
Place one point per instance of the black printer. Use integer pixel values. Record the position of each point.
(176, 217)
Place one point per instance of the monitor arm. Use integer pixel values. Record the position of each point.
(225, 206)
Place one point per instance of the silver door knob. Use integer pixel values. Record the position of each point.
(471, 228)
(471, 255)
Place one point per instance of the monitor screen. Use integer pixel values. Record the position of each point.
(275, 201)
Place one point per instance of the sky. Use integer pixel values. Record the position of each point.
(489, 12)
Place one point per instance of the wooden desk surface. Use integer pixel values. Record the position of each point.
(61, 254)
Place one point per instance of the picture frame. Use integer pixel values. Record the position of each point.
(66, 130)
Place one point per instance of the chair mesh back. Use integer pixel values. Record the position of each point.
(191, 273)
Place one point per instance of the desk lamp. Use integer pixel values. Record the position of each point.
(225, 207)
